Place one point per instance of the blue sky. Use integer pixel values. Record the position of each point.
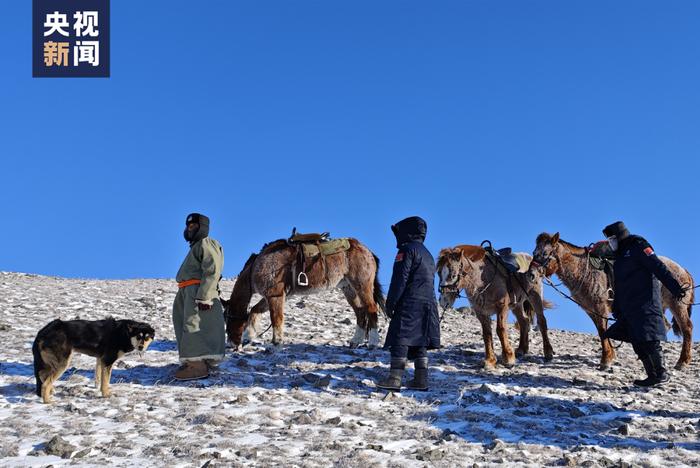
(491, 119)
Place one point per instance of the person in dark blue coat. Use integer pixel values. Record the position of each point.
(637, 304)
(411, 306)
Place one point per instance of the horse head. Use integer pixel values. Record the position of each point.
(545, 257)
(236, 308)
(449, 266)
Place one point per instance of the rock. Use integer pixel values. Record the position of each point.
(624, 429)
(249, 453)
(303, 419)
(376, 447)
(569, 460)
(672, 428)
(82, 453)
(606, 462)
(300, 305)
(496, 446)
(323, 382)
(430, 455)
(576, 412)
(59, 447)
(4, 327)
(333, 421)
(346, 321)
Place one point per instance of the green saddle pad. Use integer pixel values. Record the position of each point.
(326, 248)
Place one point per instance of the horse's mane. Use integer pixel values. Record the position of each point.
(472, 252)
(546, 237)
(274, 246)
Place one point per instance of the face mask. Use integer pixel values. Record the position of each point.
(612, 240)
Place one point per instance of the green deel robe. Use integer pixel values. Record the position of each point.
(200, 334)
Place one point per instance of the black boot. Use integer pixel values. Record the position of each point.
(657, 359)
(393, 380)
(651, 374)
(420, 378)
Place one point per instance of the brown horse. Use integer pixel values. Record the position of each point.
(468, 268)
(273, 274)
(589, 288)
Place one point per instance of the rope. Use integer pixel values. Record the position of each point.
(551, 284)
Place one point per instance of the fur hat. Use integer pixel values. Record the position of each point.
(617, 229)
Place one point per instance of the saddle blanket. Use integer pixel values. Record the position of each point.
(326, 248)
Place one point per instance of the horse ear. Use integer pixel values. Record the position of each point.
(555, 239)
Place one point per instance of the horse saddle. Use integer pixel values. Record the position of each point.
(298, 238)
(310, 246)
(602, 257)
(512, 262)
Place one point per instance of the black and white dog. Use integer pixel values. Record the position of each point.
(107, 340)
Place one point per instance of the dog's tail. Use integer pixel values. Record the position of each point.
(39, 363)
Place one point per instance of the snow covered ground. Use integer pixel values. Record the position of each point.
(313, 402)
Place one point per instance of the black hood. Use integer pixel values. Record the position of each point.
(200, 233)
(410, 229)
(617, 229)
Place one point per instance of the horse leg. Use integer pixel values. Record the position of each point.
(489, 354)
(369, 310)
(360, 316)
(252, 330)
(536, 301)
(524, 328)
(608, 355)
(508, 356)
(682, 319)
(276, 304)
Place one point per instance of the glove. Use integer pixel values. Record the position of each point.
(201, 305)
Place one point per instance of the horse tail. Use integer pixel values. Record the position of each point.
(377, 290)
(548, 304)
(690, 300)
(529, 311)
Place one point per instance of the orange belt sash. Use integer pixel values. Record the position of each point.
(184, 284)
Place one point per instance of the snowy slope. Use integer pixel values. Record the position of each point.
(313, 403)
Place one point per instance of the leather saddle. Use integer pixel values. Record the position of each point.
(311, 238)
(300, 240)
(503, 256)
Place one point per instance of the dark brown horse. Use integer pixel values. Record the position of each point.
(273, 273)
(589, 286)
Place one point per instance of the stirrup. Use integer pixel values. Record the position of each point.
(611, 295)
(302, 279)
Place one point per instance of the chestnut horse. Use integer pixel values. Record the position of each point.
(589, 286)
(467, 267)
(272, 273)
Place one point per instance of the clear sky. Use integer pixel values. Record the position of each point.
(491, 119)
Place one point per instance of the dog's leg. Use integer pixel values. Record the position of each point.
(98, 373)
(106, 376)
(49, 377)
(56, 368)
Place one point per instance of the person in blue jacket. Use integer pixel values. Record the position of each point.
(411, 306)
(637, 304)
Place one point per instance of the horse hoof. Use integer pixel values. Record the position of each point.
(679, 366)
(548, 357)
(509, 365)
(604, 367)
(353, 345)
(489, 366)
(520, 353)
(373, 346)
